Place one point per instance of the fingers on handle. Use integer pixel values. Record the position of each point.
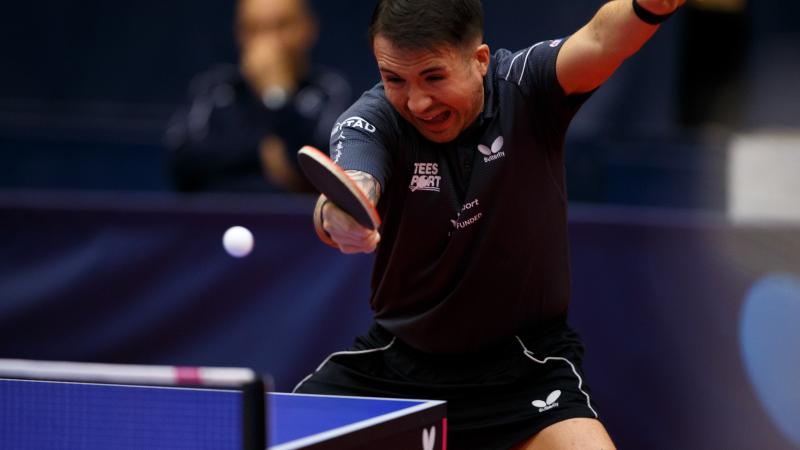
(348, 234)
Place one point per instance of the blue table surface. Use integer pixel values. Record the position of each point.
(48, 415)
(295, 416)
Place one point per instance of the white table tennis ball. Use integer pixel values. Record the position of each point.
(238, 241)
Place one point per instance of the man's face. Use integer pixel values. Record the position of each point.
(282, 25)
(438, 91)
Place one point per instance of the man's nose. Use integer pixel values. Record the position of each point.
(419, 101)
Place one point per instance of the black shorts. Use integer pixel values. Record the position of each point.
(495, 399)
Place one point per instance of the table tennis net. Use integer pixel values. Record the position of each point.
(55, 405)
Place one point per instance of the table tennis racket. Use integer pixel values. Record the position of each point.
(337, 186)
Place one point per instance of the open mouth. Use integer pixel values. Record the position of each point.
(436, 122)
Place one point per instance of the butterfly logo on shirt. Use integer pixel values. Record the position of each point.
(494, 152)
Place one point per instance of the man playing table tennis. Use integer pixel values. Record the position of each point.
(464, 149)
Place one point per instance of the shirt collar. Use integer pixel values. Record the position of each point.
(489, 92)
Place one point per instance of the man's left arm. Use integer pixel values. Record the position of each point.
(591, 55)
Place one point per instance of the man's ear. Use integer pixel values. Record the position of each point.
(481, 56)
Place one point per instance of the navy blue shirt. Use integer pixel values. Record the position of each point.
(214, 141)
(474, 235)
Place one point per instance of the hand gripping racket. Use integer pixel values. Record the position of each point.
(337, 186)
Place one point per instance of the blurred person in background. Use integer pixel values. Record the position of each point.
(244, 124)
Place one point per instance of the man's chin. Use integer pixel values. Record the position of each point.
(441, 137)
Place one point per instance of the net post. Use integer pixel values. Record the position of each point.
(254, 413)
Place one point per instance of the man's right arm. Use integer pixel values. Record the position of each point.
(362, 143)
(591, 55)
(337, 229)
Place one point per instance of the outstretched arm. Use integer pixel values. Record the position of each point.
(337, 229)
(593, 53)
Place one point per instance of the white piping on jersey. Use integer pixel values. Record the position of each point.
(355, 352)
(529, 354)
(522, 72)
(511, 66)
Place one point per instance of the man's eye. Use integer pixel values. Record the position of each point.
(435, 78)
(394, 80)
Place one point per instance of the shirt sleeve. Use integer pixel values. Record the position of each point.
(533, 70)
(363, 137)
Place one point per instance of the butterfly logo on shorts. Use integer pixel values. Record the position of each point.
(549, 403)
(494, 152)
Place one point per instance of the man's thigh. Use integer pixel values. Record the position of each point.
(577, 434)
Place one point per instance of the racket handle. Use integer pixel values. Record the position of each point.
(321, 233)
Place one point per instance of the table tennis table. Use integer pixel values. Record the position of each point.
(45, 415)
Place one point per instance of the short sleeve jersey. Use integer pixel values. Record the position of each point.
(474, 234)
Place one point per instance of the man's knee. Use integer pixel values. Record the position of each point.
(570, 434)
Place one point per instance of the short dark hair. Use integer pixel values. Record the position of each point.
(426, 24)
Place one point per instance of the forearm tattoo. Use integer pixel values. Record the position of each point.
(367, 183)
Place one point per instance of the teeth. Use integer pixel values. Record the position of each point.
(432, 117)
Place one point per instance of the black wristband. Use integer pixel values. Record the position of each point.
(648, 17)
